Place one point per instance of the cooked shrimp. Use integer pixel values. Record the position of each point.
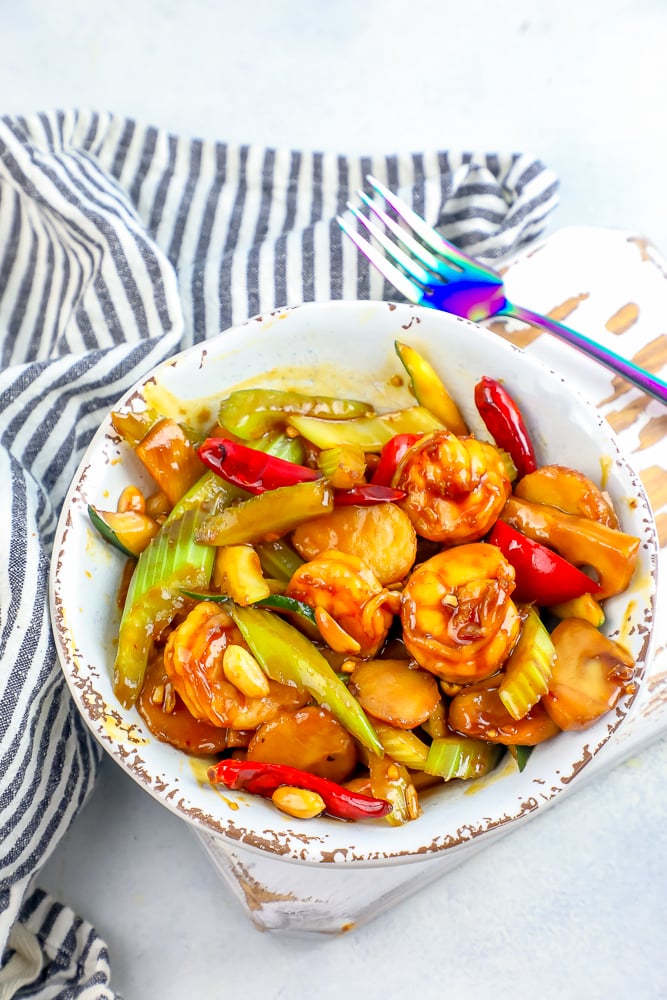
(349, 599)
(456, 487)
(193, 659)
(458, 618)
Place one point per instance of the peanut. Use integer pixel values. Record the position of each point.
(131, 499)
(298, 802)
(243, 671)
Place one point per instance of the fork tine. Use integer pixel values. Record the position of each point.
(393, 275)
(424, 231)
(412, 267)
(417, 249)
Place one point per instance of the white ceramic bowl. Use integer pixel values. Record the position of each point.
(343, 347)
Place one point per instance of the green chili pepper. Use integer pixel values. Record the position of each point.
(250, 413)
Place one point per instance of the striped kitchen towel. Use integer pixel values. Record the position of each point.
(119, 245)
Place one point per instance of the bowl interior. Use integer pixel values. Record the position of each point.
(341, 348)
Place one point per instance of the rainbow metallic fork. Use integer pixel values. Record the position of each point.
(429, 271)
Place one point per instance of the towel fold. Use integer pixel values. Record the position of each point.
(119, 245)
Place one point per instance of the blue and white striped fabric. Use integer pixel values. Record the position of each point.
(119, 245)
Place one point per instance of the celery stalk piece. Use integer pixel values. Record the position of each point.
(462, 757)
(278, 559)
(273, 513)
(281, 445)
(403, 746)
(289, 657)
(171, 562)
(370, 433)
(528, 669)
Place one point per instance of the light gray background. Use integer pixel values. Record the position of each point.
(572, 905)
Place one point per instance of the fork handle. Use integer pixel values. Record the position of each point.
(632, 373)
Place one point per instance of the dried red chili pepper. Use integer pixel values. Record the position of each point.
(366, 494)
(542, 576)
(391, 455)
(505, 423)
(263, 779)
(257, 472)
(251, 469)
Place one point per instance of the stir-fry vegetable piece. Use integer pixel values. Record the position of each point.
(366, 494)
(569, 490)
(461, 757)
(237, 572)
(478, 711)
(382, 535)
(252, 470)
(395, 692)
(590, 674)
(263, 779)
(429, 389)
(390, 457)
(527, 671)
(542, 576)
(279, 602)
(505, 423)
(311, 739)
(251, 413)
(370, 433)
(289, 657)
(259, 473)
(585, 607)
(172, 561)
(403, 746)
(170, 457)
(268, 515)
(279, 560)
(391, 781)
(133, 425)
(582, 541)
(129, 531)
(344, 466)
